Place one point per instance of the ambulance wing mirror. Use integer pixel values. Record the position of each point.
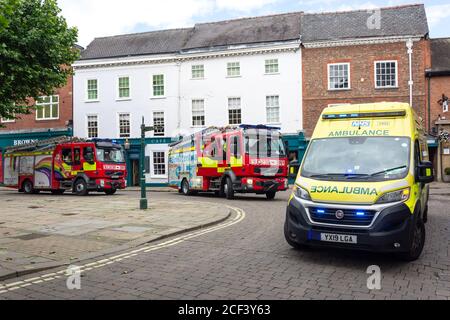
(425, 172)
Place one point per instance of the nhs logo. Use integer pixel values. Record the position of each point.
(361, 124)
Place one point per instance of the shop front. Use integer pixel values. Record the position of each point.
(156, 161)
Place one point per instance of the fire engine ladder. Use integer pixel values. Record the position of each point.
(42, 144)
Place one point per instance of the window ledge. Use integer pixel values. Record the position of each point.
(386, 88)
(91, 101)
(123, 99)
(346, 89)
(198, 78)
(48, 119)
(158, 98)
(231, 77)
(272, 74)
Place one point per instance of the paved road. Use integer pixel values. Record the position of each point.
(251, 260)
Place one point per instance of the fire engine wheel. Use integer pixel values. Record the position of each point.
(110, 192)
(271, 195)
(80, 188)
(228, 189)
(27, 187)
(185, 187)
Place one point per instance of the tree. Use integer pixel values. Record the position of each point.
(36, 50)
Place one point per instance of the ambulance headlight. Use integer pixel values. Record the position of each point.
(395, 196)
(301, 193)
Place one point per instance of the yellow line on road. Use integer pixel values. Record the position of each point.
(239, 216)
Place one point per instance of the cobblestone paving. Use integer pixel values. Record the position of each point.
(251, 260)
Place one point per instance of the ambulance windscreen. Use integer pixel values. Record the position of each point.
(358, 158)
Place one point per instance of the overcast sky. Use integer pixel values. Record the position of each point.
(99, 18)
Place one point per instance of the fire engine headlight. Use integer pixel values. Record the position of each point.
(102, 183)
(395, 196)
(301, 193)
(250, 182)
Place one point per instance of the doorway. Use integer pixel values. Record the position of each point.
(135, 179)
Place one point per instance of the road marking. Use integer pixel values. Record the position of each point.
(240, 215)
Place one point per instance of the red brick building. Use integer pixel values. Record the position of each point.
(53, 112)
(362, 57)
(438, 78)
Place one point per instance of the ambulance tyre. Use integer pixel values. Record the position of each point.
(80, 188)
(228, 189)
(110, 192)
(417, 242)
(271, 195)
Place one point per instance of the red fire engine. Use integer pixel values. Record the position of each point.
(65, 164)
(242, 159)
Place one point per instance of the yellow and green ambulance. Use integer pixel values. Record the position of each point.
(363, 182)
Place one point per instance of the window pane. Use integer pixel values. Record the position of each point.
(55, 111)
(159, 163)
(272, 66)
(273, 109)
(386, 74)
(233, 69)
(124, 125)
(158, 123)
(198, 112)
(198, 71)
(158, 85)
(339, 76)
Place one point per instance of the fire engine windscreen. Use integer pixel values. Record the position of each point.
(113, 155)
(264, 144)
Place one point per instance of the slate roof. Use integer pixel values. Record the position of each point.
(395, 21)
(155, 42)
(440, 54)
(273, 28)
(409, 20)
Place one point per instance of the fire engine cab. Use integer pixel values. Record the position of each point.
(66, 164)
(229, 160)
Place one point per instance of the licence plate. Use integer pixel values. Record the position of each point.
(340, 238)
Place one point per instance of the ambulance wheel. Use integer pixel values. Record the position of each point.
(27, 187)
(58, 192)
(271, 195)
(110, 192)
(417, 242)
(185, 187)
(228, 189)
(80, 188)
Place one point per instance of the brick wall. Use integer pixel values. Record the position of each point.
(316, 95)
(65, 113)
(439, 86)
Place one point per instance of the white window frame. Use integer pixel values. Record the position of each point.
(164, 119)
(192, 71)
(228, 67)
(3, 120)
(164, 84)
(50, 104)
(228, 110)
(375, 74)
(118, 98)
(349, 76)
(152, 164)
(87, 90)
(266, 65)
(279, 109)
(192, 113)
(118, 124)
(87, 124)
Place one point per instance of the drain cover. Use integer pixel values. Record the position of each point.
(31, 236)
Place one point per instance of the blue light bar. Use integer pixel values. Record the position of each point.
(320, 211)
(364, 115)
(360, 213)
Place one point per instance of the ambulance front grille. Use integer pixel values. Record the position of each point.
(351, 217)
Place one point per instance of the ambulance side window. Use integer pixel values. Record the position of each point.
(67, 156)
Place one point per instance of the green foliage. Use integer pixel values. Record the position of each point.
(36, 46)
(447, 171)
